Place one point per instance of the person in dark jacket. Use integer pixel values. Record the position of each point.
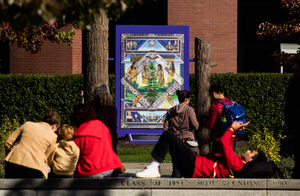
(251, 164)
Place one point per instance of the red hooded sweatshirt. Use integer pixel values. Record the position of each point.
(216, 166)
(96, 153)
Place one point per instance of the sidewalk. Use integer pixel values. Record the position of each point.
(132, 168)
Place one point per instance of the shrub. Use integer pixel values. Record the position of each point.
(262, 94)
(29, 95)
(286, 166)
(7, 126)
(267, 142)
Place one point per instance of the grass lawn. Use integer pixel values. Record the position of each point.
(131, 153)
(142, 155)
(138, 155)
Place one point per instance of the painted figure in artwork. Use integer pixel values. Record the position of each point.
(160, 75)
(132, 72)
(171, 73)
(145, 74)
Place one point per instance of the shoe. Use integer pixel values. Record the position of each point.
(148, 172)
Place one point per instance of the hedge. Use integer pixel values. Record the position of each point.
(262, 94)
(26, 96)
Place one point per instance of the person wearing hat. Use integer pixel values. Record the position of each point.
(251, 164)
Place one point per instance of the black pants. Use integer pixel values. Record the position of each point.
(18, 171)
(182, 156)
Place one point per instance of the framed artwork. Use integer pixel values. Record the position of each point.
(151, 64)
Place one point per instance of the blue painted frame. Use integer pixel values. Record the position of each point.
(143, 29)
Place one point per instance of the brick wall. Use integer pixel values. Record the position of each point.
(213, 21)
(52, 59)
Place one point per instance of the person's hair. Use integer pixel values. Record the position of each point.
(159, 65)
(260, 156)
(132, 65)
(182, 95)
(216, 89)
(102, 95)
(82, 113)
(66, 132)
(51, 117)
(259, 167)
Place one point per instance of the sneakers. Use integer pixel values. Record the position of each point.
(148, 172)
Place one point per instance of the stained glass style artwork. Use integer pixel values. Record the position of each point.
(152, 66)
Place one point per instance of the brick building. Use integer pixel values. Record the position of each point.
(227, 25)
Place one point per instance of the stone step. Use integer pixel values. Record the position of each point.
(149, 187)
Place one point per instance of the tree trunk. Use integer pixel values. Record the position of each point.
(202, 72)
(95, 57)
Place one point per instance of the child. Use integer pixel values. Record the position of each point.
(64, 159)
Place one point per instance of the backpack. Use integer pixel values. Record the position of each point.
(232, 112)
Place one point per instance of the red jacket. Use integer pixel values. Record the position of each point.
(219, 166)
(213, 122)
(96, 152)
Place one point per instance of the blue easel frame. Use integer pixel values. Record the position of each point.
(143, 29)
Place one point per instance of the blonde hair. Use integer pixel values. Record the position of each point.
(66, 132)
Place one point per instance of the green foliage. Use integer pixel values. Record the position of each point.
(112, 85)
(267, 142)
(22, 14)
(28, 23)
(152, 85)
(28, 96)
(7, 126)
(262, 94)
(286, 166)
(142, 155)
(31, 39)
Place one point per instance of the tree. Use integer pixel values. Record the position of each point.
(96, 55)
(281, 31)
(28, 23)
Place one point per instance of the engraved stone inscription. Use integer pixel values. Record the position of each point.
(206, 183)
(176, 183)
(280, 184)
(133, 183)
(156, 182)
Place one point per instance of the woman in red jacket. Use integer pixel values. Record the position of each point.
(97, 158)
(250, 164)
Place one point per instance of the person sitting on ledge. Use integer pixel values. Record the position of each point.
(251, 164)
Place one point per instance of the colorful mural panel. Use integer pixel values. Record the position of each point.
(152, 67)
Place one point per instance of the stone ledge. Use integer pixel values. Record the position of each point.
(160, 183)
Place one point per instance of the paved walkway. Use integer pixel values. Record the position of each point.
(132, 168)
